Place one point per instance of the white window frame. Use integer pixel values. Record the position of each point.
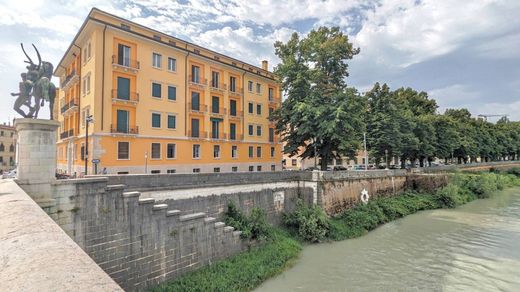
(175, 64)
(234, 152)
(167, 118)
(154, 54)
(193, 151)
(151, 151)
(117, 147)
(151, 120)
(219, 151)
(174, 151)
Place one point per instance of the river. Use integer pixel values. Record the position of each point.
(475, 247)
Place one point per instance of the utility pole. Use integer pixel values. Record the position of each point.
(88, 120)
(315, 158)
(366, 153)
(146, 162)
(386, 159)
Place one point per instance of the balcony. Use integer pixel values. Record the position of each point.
(238, 92)
(67, 134)
(237, 116)
(198, 135)
(202, 108)
(197, 81)
(220, 112)
(218, 87)
(71, 79)
(238, 137)
(69, 107)
(273, 101)
(125, 65)
(219, 136)
(133, 98)
(128, 131)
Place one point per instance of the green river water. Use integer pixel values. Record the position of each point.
(475, 247)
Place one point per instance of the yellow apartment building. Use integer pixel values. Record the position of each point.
(161, 105)
(7, 147)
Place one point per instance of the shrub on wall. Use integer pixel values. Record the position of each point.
(253, 227)
(311, 222)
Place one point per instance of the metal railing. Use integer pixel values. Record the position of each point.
(198, 80)
(202, 108)
(129, 63)
(237, 92)
(198, 134)
(237, 115)
(133, 96)
(68, 78)
(218, 86)
(74, 102)
(127, 130)
(237, 137)
(218, 111)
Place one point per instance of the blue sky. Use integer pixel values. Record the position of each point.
(463, 53)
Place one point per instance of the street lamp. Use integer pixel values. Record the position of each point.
(89, 119)
(146, 162)
(386, 158)
(366, 153)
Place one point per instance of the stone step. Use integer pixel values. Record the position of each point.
(219, 224)
(115, 187)
(159, 207)
(147, 201)
(209, 220)
(192, 216)
(229, 229)
(131, 194)
(237, 233)
(173, 213)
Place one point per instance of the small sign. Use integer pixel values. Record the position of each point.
(95, 161)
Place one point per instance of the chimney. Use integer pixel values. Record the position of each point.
(265, 65)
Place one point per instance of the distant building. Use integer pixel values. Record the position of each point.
(296, 163)
(7, 147)
(161, 104)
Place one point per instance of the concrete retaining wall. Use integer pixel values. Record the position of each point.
(36, 255)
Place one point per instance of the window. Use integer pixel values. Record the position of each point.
(85, 55)
(172, 122)
(171, 171)
(232, 131)
(216, 151)
(251, 168)
(272, 151)
(123, 150)
(293, 162)
(89, 51)
(259, 151)
(259, 130)
(123, 88)
(156, 37)
(258, 88)
(2, 147)
(273, 167)
(122, 172)
(258, 109)
(172, 64)
(156, 120)
(215, 103)
(155, 171)
(233, 107)
(2, 133)
(11, 148)
(156, 90)
(271, 135)
(250, 130)
(250, 86)
(234, 169)
(122, 121)
(251, 151)
(123, 55)
(250, 107)
(125, 27)
(170, 150)
(156, 150)
(156, 60)
(87, 84)
(196, 170)
(271, 93)
(195, 128)
(271, 110)
(195, 101)
(216, 169)
(259, 168)
(234, 151)
(232, 84)
(215, 77)
(215, 133)
(196, 151)
(172, 93)
(195, 71)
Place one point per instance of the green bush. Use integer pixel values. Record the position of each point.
(449, 196)
(311, 222)
(514, 171)
(253, 227)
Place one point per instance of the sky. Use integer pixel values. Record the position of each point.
(463, 53)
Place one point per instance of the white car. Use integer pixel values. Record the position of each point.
(10, 174)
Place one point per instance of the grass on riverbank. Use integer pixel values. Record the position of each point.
(249, 269)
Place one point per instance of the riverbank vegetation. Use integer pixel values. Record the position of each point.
(276, 248)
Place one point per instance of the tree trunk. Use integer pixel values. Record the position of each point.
(323, 163)
(403, 162)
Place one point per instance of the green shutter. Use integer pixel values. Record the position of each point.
(215, 104)
(195, 101)
(156, 120)
(172, 93)
(194, 127)
(156, 90)
(122, 121)
(123, 88)
(171, 122)
(232, 131)
(233, 107)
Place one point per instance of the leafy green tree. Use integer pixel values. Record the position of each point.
(320, 114)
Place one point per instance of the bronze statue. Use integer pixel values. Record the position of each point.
(35, 83)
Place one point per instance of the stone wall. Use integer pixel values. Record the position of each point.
(137, 241)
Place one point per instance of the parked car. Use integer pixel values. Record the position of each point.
(311, 168)
(339, 168)
(10, 174)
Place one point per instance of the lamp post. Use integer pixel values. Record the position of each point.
(386, 159)
(89, 119)
(315, 140)
(366, 153)
(146, 162)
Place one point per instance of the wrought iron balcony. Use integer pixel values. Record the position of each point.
(217, 86)
(197, 134)
(133, 97)
(125, 64)
(236, 137)
(236, 91)
(70, 79)
(198, 81)
(128, 130)
(218, 111)
(202, 108)
(237, 115)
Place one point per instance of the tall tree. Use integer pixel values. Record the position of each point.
(320, 115)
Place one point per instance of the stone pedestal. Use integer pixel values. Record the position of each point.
(36, 159)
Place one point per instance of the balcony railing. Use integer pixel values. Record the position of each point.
(198, 134)
(133, 97)
(237, 92)
(127, 130)
(72, 104)
(125, 63)
(198, 80)
(237, 137)
(202, 108)
(219, 136)
(218, 111)
(67, 134)
(273, 100)
(69, 78)
(217, 86)
(237, 115)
